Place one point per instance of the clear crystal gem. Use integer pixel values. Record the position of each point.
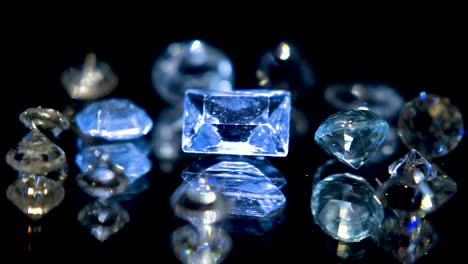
(408, 239)
(45, 118)
(252, 185)
(414, 166)
(381, 99)
(205, 244)
(114, 119)
(242, 122)
(35, 196)
(431, 125)
(104, 218)
(36, 154)
(103, 179)
(192, 64)
(352, 136)
(285, 68)
(199, 202)
(125, 154)
(345, 207)
(93, 80)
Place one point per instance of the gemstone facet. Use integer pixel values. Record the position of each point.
(114, 119)
(252, 185)
(345, 207)
(431, 125)
(352, 136)
(193, 64)
(241, 122)
(35, 196)
(46, 118)
(414, 166)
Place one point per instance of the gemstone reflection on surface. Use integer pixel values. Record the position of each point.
(352, 136)
(242, 122)
(345, 207)
(430, 124)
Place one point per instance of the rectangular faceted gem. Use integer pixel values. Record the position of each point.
(239, 122)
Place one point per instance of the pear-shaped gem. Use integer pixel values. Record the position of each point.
(35, 196)
(352, 136)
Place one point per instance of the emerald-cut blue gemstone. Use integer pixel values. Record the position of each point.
(241, 122)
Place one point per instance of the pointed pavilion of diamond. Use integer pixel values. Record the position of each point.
(352, 136)
(413, 165)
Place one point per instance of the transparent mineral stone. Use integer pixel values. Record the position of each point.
(381, 99)
(431, 125)
(414, 166)
(104, 218)
(285, 68)
(93, 80)
(125, 154)
(345, 207)
(35, 196)
(252, 185)
(352, 136)
(408, 239)
(192, 64)
(242, 122)
(103, 179)
(45, 118)
(114, 119)
(199, 202)
(36, 154)
(205, 244)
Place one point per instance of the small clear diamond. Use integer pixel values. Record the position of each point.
(205, 244)
(45, 118)
(126, 155)
(104, 218)
(93, 80)
(192, 64)
(114, 119)
(199, 202)
(352, 136)
(285, 68)
(251, 184)
(414, 166)
(345, 207)
(36, 154)
(103, 179)
(408, 239)
(242, 122)
(35, 196)
(431, 125)
(381, 99)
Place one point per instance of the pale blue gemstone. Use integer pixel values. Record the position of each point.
(126, 155)
(345, 207)
(413, 166)
(241, 122)
(252, 184)
(114, 119)
(191, 64)
(352, 136)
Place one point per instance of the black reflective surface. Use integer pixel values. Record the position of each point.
(410, 61)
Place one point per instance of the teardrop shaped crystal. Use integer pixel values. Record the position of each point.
(45, 118)
(35, 196)
(36, 154)
(104, 218)
(199, 202)
(103, 179)
(93, 80)
(205, 244)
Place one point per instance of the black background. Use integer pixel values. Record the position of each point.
(412, 51)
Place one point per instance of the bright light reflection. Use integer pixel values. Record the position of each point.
(284, 51)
